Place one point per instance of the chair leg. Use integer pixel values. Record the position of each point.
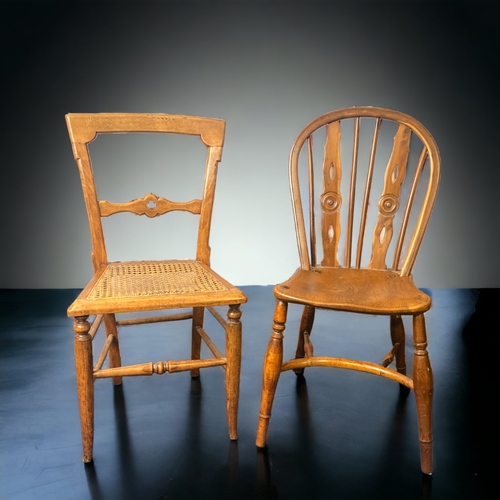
(423, 386)
(398, 337)
(273, 361)
(198, 314)
(85, 383)
(114, 356)
(233, 367)
(305, 329)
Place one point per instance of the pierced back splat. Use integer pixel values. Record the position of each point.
(387, 209)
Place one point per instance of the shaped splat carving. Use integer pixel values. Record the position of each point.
(388, 204)
(151, 205)
(331, 200)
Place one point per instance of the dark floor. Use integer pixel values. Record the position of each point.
(335, 434)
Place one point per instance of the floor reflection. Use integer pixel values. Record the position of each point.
(334, 433)
(383, 483)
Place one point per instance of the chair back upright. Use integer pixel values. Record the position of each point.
(83, 129)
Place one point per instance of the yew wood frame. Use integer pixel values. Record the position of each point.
(83, 129)
(372, 290)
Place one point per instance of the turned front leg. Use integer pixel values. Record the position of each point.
(423, 386)
(273, 361)
(85, 383)
(233, 356)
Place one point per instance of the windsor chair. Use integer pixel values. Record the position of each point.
(343, 269)
(136, 286)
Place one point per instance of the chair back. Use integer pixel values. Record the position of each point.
(363, 182)
(83, 129)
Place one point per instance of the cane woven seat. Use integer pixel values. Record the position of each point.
(146, 278)
(152, 285)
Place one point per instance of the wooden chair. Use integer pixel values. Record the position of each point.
(123, 287)
(364, 271)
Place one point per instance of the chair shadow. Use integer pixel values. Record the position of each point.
(264, 488)
(232, 482)
(393, 453)
(129, 484)
(389, 456)
(128, 475)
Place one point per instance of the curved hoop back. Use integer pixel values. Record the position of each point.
(391, 160)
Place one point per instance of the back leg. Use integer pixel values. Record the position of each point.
(398, 337)
(304, 345)
(115, 359)
(198, 315)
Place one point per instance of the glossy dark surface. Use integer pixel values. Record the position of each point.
(335, 434)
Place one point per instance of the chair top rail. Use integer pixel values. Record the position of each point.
(84, 127)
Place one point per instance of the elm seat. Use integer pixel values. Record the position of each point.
(139, 286)
(387, 293)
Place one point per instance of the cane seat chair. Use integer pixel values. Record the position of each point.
(354, 259)
(125, 287)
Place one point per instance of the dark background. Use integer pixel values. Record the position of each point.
(268, 68)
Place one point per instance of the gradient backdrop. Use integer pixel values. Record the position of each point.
(267, 68)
